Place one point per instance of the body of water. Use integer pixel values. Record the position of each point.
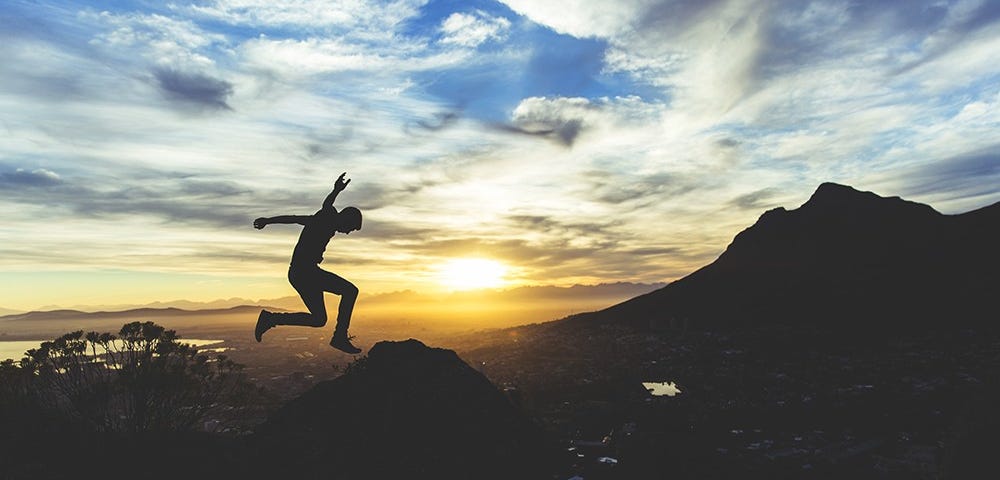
(15, 349)
(660, 389)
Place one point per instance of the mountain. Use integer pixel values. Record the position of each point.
(404, 411)
(137, 312)
(844, 256)
(443, 313)
(47, 314)
(192, 323)
(218, 304)
(490, 308)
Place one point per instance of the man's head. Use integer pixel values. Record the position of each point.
(350, 220)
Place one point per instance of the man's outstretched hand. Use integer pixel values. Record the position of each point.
(341, 184)
(260, 223)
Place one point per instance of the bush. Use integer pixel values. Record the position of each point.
(141, 380)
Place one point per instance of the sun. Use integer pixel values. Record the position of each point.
(472, 273)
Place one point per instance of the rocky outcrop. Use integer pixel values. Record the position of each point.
(404, 411)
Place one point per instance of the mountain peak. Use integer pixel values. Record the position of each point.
(835, 191)
(834, 196)
(412, 359)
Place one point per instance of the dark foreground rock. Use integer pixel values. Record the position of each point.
(405, 410)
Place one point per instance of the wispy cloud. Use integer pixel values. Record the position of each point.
(194, 88)
(757, 200)
(974, 174)
(219, 204)
(355, 17)
(38, 177)
(473, 29)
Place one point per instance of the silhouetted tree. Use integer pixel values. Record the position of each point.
(141, 380)
(15, 395)
(13, 384)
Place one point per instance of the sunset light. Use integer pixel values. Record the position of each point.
(472, 273)
(582, 141)
(499, 238)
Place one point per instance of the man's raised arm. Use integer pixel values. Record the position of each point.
(265, 221)
(338, 187)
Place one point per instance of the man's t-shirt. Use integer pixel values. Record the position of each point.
(315, 236)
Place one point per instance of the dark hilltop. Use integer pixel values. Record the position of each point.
(405, 410)
(845, 256)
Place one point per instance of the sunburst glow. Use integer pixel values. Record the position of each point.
(472, 273)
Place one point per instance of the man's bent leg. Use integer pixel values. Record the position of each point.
(345, 310)
(316, 317)
(348, 296)
(310, 290)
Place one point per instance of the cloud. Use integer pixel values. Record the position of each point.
(473, 29)
(164, 41)
(194, 88)
(581, 18)
(969, 175)
(186, 201)
(732, 62)
(566, 230)
(625, 188)
(50, 63)
(565, 119)
(664, 42)
(562, 131)
(441, 121)
(368, 17)
(211, 188)
(300, 59)
(38, 177)
(550, 255)
(314, 55)
(889, 38)
(757, 200)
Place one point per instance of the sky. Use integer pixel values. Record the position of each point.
(568, 141)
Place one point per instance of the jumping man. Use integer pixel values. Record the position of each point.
(311, 281)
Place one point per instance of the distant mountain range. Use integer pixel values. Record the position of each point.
(67, 314)
(844, 256)
(218, 304)
(603, 291)
(488, 307)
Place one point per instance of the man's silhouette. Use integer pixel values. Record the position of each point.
(311, 281)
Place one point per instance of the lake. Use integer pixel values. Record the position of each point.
(15, 349)
(660, 389)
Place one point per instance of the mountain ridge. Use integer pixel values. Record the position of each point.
(844, 254)
(293, 302)
(152, 312)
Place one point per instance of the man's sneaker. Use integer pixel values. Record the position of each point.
(263, 324)
(343, 343)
